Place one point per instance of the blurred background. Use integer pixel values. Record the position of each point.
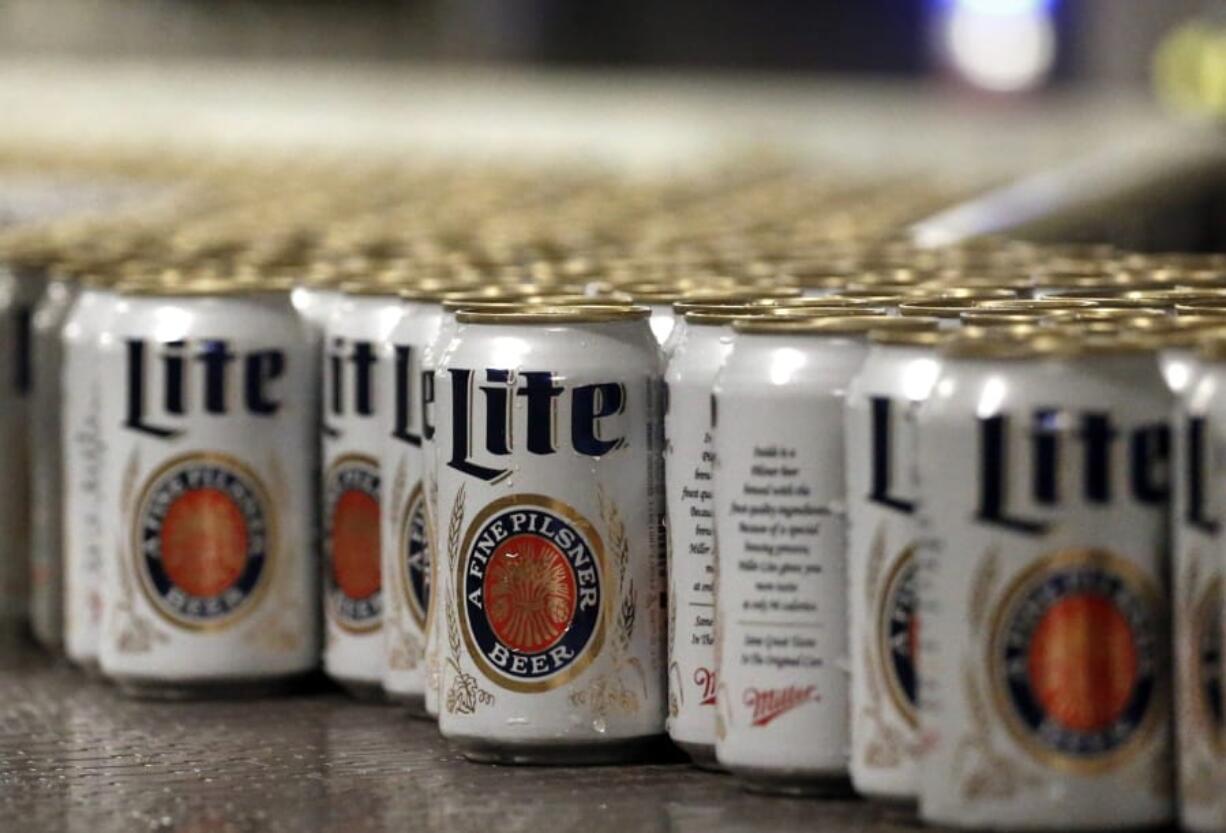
(997, 44)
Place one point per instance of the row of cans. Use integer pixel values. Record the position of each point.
(493, 476)
(523, 568)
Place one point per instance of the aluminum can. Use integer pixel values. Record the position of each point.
(437, 330)
(355, 422)
(20, 287)
(84, 399)
(702, 340)
(781, 586)
(435, 314)
(46, 465)
(407, 527)
(882, 403)
(1044, 672)
(1197, 611)
(211, 590)
(550, 535)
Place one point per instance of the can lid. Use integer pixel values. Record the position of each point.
(1038, 304)
(991, 318)
(722, 314)
(910, 338)
(702, 301)
(371, 288)
(545, 299)
(1023, 341)
(939, 292)
(938, 307)
(837, 325)
(840, 300)
(170, 285)
(1108, 314)
(547, 314)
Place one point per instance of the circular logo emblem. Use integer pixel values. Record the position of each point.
(898, 635)
(529, 582)
(351, 535)
(415, 555)
(1208, 633)
(202, 539)
(1075, 658)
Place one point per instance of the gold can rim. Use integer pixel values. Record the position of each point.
(827, 325)
(544, 314)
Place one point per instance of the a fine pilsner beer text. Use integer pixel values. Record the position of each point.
(549, 532)
(1044, 669)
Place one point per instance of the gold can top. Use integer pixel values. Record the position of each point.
(556, 315)
(837, 325)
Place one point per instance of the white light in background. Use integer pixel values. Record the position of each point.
(1000, 45)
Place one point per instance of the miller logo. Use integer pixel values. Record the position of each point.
(766, 704)
(898, 634)
(351, 536)
(1207, 627)
(589, 405)
(210, 359)
(415, 555)
(203, 540)
(1076, 660)
(529, 583)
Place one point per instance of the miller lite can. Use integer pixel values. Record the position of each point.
(46, 486)
(549, 534)
(435, 319)
(702, 339)
(21, 284)
(1044, 673)
(355, 421)
(436, 332)
(408, 526)
(211, 585)
(86, 513)
(1197, 620)
(897, 376)
(781, 578)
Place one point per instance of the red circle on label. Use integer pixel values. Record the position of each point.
(1082, 662)
(529, 593)
(355, 544)
(204, 542)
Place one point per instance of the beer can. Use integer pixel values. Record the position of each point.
(549, 479)
(781, 581)
(436, 318)
(211, 589)
(436, 330)
(21, 283)
(882, 402)
(46, 485)
(86, 423)
(355, 421)
(1043, 471)
(1197, 621)
(407, 526)
(703, 337)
